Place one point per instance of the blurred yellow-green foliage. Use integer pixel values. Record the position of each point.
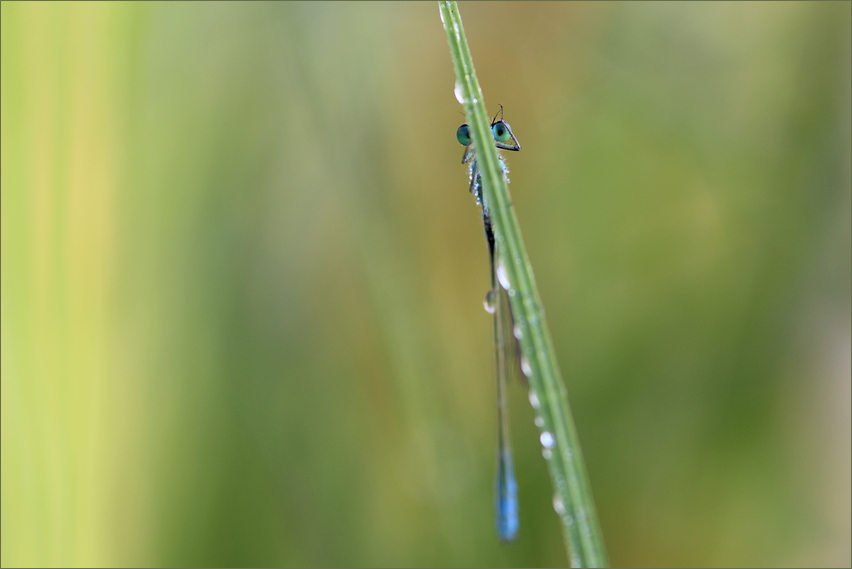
(242, 281)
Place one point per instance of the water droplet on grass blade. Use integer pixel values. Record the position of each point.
(558, 504)
(457, 91)
(488, 303)
(525, 366)
(534, 400)
(502, 275)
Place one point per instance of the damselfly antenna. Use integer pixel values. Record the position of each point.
(494, 120)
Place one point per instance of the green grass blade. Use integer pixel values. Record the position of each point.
(572, 498)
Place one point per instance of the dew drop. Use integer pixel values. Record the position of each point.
(488, 303)
(558, 504)
(441, 13)
(502, 275)
(575, 559)
(525, 366)
(517, 332)
(534, 400)
(547, 454)
(539, 422)
(458, 93)
(547, 440)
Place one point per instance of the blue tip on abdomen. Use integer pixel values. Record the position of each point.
(507, 500)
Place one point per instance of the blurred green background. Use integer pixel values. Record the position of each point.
(242, 281)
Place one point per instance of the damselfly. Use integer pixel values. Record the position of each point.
(497, 303)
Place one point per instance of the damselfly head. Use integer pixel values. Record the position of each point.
(500, 130)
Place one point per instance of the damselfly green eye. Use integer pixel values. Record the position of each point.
(463, 135)
(501, 132)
